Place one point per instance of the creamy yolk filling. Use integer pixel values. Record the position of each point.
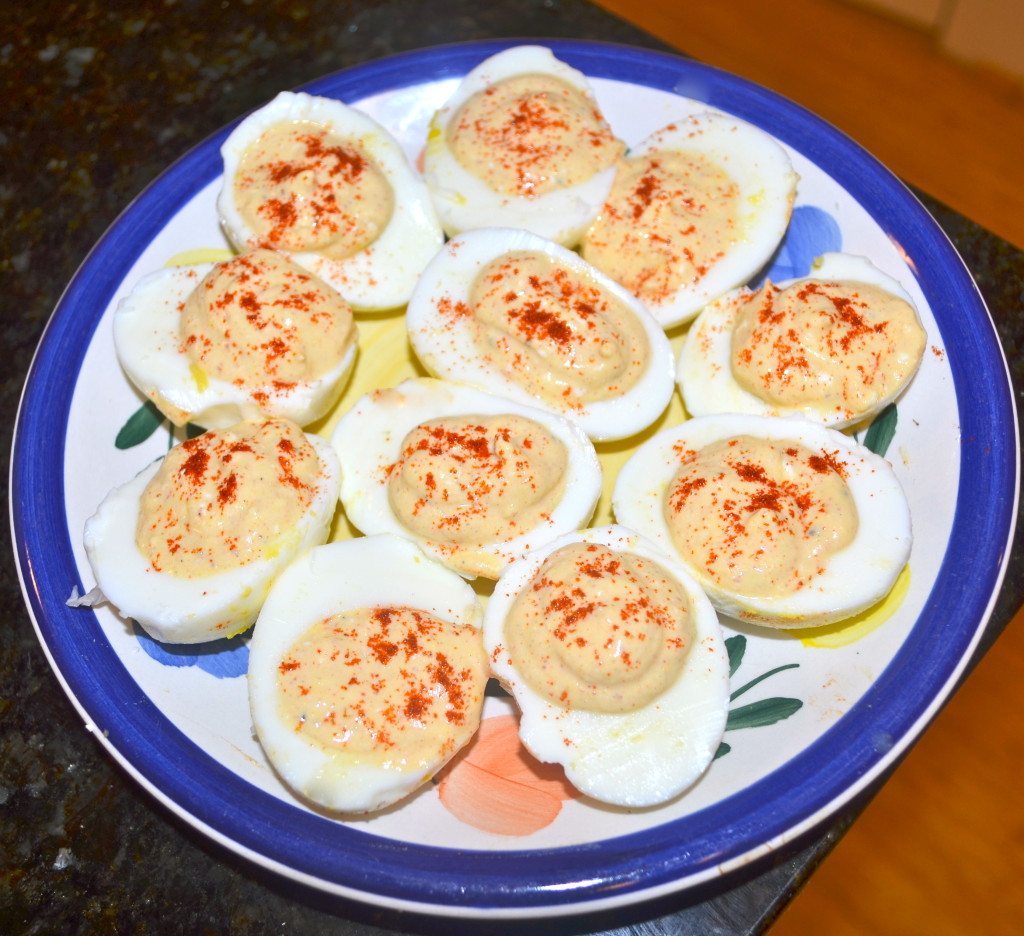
(668, 219)
(391, 687)
(599, 630)
(532, 134)
(301, 188)
(828, 346)
(477, 480)
(760, 517)
(261, 322)
(554, 332)
(227, 498)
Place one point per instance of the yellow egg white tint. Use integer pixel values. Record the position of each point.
(239, 500)
(476, 479)
(544, 162)
(697, 209)
(354, 717)
(212, 343)
(199, 255)
(307, 198)
(773, 551)
(850, 346)
(522, 317)
(642, 751)
(850, 630)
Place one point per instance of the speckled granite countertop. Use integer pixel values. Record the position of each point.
(98, 101)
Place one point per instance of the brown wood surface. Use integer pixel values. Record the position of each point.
(940, 850)
(954, 130)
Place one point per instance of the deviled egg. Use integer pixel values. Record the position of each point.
(520, 316)
(782, 520)
(617, 662)
(190, 546)
(366, 672)
(212, 343)
(838, 346)
(521, 143)
(476, 479)
(697, 209)
(329, 186)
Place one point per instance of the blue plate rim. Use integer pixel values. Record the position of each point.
(632, 867)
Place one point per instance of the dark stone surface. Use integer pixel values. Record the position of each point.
(99, 98)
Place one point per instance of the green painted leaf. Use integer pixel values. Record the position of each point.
(881, 430)
(140, 426)
(723, 749)
(735, 646)
(192, 430)
(759, 714)
(754, 682)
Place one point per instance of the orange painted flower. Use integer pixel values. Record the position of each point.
(496, 784)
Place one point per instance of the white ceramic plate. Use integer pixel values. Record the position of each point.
(833, 711)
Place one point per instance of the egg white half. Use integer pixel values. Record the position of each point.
(637, 759)
(761, 170)
(373, 571)
(464, 201)
(148, 344)
(369, 438)
(704, 367)
(193, 610)
(382, 275)
(445, 345)
(854, 578)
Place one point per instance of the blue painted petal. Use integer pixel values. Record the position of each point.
(225, 658)
(811, 233)
(229, 659)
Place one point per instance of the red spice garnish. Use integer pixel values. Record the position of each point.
(685, 489)
(417, 704)
(766, 500)
(534, 322)
(826, 462)
(644, 192)
(226, 491)
(195, 465)
(751, 472)
(382, 649)
(453, 309)
(283, 214)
